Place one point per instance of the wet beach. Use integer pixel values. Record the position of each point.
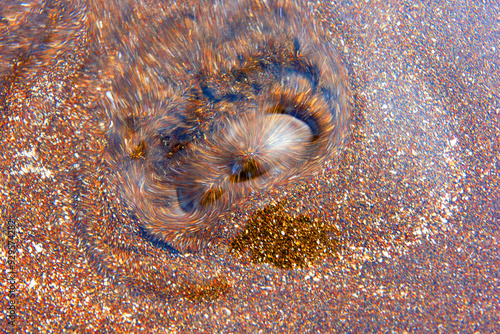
(411, 200)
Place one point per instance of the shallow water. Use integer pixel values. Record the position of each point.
(411, 193)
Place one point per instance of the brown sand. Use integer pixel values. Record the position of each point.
(413, 197)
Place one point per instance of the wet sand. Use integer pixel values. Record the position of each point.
(413, 194)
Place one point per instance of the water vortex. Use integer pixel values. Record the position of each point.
(214, 104)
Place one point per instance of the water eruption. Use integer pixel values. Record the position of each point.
(212, 104)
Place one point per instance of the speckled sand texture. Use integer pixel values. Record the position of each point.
(413, 197)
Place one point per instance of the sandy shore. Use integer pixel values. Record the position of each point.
(413, 195)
